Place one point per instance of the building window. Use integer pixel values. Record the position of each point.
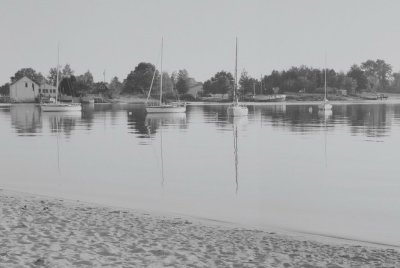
(40, 90)
(26, 84)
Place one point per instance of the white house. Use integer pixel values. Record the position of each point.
(47, 91)
(24, 90)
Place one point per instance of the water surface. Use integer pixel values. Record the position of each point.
(284, 165)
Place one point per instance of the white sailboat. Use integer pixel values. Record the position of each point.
(325, 105)
(163, 107)
(55, 105)
(236, 109)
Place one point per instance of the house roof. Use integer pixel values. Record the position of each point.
(23, 78)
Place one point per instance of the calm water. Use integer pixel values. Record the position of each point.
(284, 166)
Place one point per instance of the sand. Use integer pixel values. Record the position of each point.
(37, 231)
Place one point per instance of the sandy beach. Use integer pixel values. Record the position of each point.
(37, 231)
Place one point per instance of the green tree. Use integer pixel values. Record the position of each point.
(52, 76)
(378, 73)
(359, 76)
(395, 83)
(221, 83)
(67, 71)
(247, 83)
(168, 85)
(83, 83)
(67, 86)
(139, 80)
(182, 82)
(37, 77)
(5, 89)
(384, 72)
(115, 87)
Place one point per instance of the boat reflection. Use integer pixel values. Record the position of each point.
(163, 120)
(62, 122)
(160, 121)
(325, 114)
(236, 123)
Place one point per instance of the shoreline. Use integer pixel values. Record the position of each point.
(257, 103)
(54, 232)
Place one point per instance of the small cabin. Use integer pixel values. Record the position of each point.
(24, 90)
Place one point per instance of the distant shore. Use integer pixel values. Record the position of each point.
(52, 232)
(291, 98)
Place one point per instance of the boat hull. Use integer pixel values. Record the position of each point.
(5, 104)
(166, 109)
(269, 98)
(237, 110)
(325, 107)
(64, 107)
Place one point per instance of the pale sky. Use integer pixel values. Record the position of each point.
(198, 35)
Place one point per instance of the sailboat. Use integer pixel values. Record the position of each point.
(55, 105)
(325, 105)
(163, 107)
(236, 109)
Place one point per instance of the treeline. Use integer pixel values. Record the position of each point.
(368, 76)
(138, 81)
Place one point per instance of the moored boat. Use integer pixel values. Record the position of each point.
(236, 109)
(54, 105)
(167, 108)
(325, 105)
(60, 107)
(161, 107)
(269, 98)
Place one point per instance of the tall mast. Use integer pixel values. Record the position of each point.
(325, 77)
(161, 74)
(235, 86)
(58, 64)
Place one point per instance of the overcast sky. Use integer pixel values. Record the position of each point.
(198, 35)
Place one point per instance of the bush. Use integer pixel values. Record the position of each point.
(187, 97)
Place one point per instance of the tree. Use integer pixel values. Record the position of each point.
(271, 81)
(139, 80)
(5, 89)
(68, 86)
(182, 81)
(247, 83)
(359, 76)
(384, 71)
(168, 85)
(67, 71)
(115, 86)
(83, 83)
(86, 78)
(395, 84)
(30, 73)
(52, 76)
(378, 73)
(220, 83)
